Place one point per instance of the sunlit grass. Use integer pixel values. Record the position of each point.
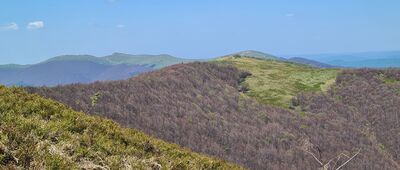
(276, 82)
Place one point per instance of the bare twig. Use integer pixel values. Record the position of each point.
(307, 147)
(359, 150)
(314, 157)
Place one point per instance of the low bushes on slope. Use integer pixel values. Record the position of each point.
(38, 133)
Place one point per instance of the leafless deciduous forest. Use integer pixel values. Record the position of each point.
(199, 106)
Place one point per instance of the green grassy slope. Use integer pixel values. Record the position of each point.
(276, 82)
(38, 133)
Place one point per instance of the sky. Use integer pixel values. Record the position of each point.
(34, 30)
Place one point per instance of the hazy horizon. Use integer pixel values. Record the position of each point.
(38, 30)
(312, 56)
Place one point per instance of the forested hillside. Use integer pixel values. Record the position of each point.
(199, 85)
(201, 106)
(366, 100)
(195, 105)
(37, 133)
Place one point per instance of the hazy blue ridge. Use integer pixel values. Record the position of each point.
(382, 59)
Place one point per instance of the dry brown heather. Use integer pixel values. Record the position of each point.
(199, 106)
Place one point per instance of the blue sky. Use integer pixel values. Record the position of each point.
(32, 31)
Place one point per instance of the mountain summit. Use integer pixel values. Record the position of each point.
(255, 54)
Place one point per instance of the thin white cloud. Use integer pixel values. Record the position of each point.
(290, 15)
(35, 25)
(120, 26)
(9, 26)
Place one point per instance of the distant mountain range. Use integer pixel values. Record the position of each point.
(154, 61)
(83, 69)
(68, 69)
(363, 59)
